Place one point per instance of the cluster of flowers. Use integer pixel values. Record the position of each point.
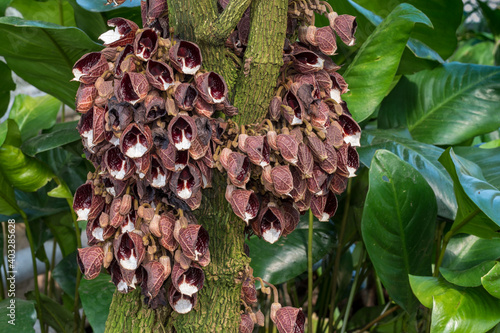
(146, 126)
(301, 156)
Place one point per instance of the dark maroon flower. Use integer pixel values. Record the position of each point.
(185, 57)
(89, 260)
(305, 61)
(186, 96)
(290, 320)
(132, 88)
(90, 67)
(136, 140)
(246, 324)
(187, 281)
(238, 169)
(294, 114)
(194, 241)
(282, 179)
(351, 130)
(345, 27)
(118, 166)
(123, 34)
(245, 204)
(257, 150)
(121, 57)
(154, 278)
(181, 303)
(86, 204)
(158, 177)
(173, 159)
(146, 44)
(186, 182)
(212, 87)
(86, 130)
(159, 75)
(129, 250)
(206, 173)
(305, 203)
(155, 106)
(270, 222)
(352, 161)
(181, 131)
(124, 285)
(98, 233)
(203, 108)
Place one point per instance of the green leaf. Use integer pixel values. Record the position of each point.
(62, 227)
(468, 258)
(91, 22)
(96, 298)
(65, 274)
(287, 258)
(48, 52)
(98, 6)
(6, 85)
(491, 281)
(487, 159)
(8, 204)
(445, 16)
(461, 101)
(48, 141)
(9, 133)
(421, 156)
(475, 51)
(456, 309)
(46, 11)
(398, 225)
(33, 114)
(3, 6)
(23, 172)
(54, 314)
(61, 191)
(371, 72)
(480, 192)
(25, 316)
(492, 16)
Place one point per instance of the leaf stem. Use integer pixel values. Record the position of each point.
(310, 273)
(450, 234)
(338, 255)
(354, 287)
(380, 290)
(35, 270)
(379, 318)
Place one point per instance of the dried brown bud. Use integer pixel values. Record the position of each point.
(345, 27)
(290, 320)
(275, 108)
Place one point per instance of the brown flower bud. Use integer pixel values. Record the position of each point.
(167, 266)
(248, 291)
(181, 131)
(129, 250)
(326, 41)
(166, 226)
(155, 277)
(282, 179)
(299, 185)
(275, 108)
(257, 150)
(317, 147)
(203, 108)
(187, 281)
(154, 226)
(146, 44)
(271, 137)
(335, 135)
(345, 27)
(89, 260)
(186, 182)
(185, 57)
(288, 147)
(212, 87)
(181, 303)
(194, 241)
(305, 203)
(123, 34)
(116, 219)
(89, 67)
(185, 96)
(260, 318)
(85, 97)
(245, 204)
(305, 161)
(126, 204)
(323, 79)
(338, 184)
(329, 165)
(274, 309)
(86, 204)
(246, 324)
(290, 320)
(132, 88)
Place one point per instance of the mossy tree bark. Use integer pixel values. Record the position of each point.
(251, 86)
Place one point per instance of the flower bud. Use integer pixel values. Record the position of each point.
(89, 260)
(282, 179)
(245, 204)
(246, 324)
(289, 320)
(155, 277)
(326, 40)
(345, 27)
(257, 150)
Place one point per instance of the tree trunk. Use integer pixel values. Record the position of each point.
(251, 86)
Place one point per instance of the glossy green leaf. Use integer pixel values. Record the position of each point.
(46, 11)
(8, 204)
(423, 157)
(96, 298)
(9, 133)
(487, 159)
(6, 85)
(287, 258)
(61, 191)
(48, 141)
(3, 6)
(492, 16)
(445, 15)
(65, 274)
(491, 281)
(456, 309)
(91, 22)
(24, 316)
(48, 51)
(398, 225)
(62, 228)
(483, 194)
(23, 172)
(54, 314)
(33, 114)
(475, 51)
(491, 144)
(468, 258)
(99, 6)
(447, 105)
(371, 72)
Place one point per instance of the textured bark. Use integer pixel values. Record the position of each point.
(218, 307)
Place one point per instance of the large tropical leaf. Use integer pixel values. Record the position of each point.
(371, 73)
(47, 11)
(287, 258)
(44, 54)
(398, 225)
(33, 114)
(421, 156)
(6, 85)
(475, 51)
(96, 298)
(54, 314)
(100, 6)
(468, 258)
(456, 309)
(491, 281)
(47, 141)
(447, 105)
(23, 319)
(445, 15)
(487, 159)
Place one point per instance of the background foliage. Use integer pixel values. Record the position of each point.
(415, 243)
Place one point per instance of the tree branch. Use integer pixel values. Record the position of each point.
(219, 30)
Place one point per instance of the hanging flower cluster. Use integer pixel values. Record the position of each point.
(146, 126)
